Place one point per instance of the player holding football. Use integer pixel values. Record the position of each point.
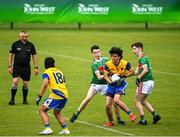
(115, 90)
(145, 84)
(98, 84)
(54, 80)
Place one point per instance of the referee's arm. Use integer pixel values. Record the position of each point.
(35, 62)
(10, 59)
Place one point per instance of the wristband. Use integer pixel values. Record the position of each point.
(10, 66)
(35, 67)
(39, 96)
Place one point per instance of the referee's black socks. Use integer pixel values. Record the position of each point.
(13, 92)
(25, 93)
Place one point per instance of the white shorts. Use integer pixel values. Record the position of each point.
(100, 88)
(145, 87)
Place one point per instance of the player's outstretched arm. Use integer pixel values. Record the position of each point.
(42, 90)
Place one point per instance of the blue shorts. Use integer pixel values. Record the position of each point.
(120, 89)
(55, 103)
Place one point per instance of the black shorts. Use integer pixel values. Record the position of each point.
(111, 95)
(25, 74)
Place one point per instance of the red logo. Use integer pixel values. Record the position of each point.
(140, 65)
(101, 68)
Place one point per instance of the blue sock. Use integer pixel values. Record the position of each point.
(64, 126)
(47, 125)
(129, 112)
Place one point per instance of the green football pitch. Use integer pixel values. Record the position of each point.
(71, 50)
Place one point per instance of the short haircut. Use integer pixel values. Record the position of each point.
(94, 47)
(138, 45)
(116, 50)
(49, 62)
(23, 32)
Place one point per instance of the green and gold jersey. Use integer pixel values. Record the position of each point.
(145, 61)
(98, 65)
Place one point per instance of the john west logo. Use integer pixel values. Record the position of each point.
(38, 9)
(146, 9)
(92, 9)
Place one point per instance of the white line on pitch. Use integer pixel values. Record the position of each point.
(97, 126)
(86, 60)
(64, 56)
(105, 128)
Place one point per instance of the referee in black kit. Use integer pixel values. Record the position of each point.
(21, 51)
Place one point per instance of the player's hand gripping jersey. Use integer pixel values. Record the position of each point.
(98, 66)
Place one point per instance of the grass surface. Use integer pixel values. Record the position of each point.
(71, 49)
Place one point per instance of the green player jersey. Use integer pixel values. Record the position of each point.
(142, 61)
(98, 66)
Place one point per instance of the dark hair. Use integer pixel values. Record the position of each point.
(23, 31)
(116, 50)
(94, 47)
(138, 45)
(49, 62)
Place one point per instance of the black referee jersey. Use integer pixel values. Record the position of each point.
(22, 53)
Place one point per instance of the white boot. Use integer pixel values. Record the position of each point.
(46, 132)
(64, 131)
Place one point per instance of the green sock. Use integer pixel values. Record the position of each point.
(153, 113)
(77, 113)
(118, 119)
(142, 118)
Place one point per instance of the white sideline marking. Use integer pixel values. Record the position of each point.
(105, 128)
(86, 60)
(167, 73)
(93, 125)
(64, 56)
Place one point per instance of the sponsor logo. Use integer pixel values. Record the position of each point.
(38, 9)
(146, 9)
(92, 9)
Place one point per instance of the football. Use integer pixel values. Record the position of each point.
(115, 77)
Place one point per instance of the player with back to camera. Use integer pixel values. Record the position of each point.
(21, 51)
(145, 84)
(98, 84)
(53, 78)
(115, 90)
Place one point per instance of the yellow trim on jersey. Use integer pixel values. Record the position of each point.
(120, 69)
(57, 85)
